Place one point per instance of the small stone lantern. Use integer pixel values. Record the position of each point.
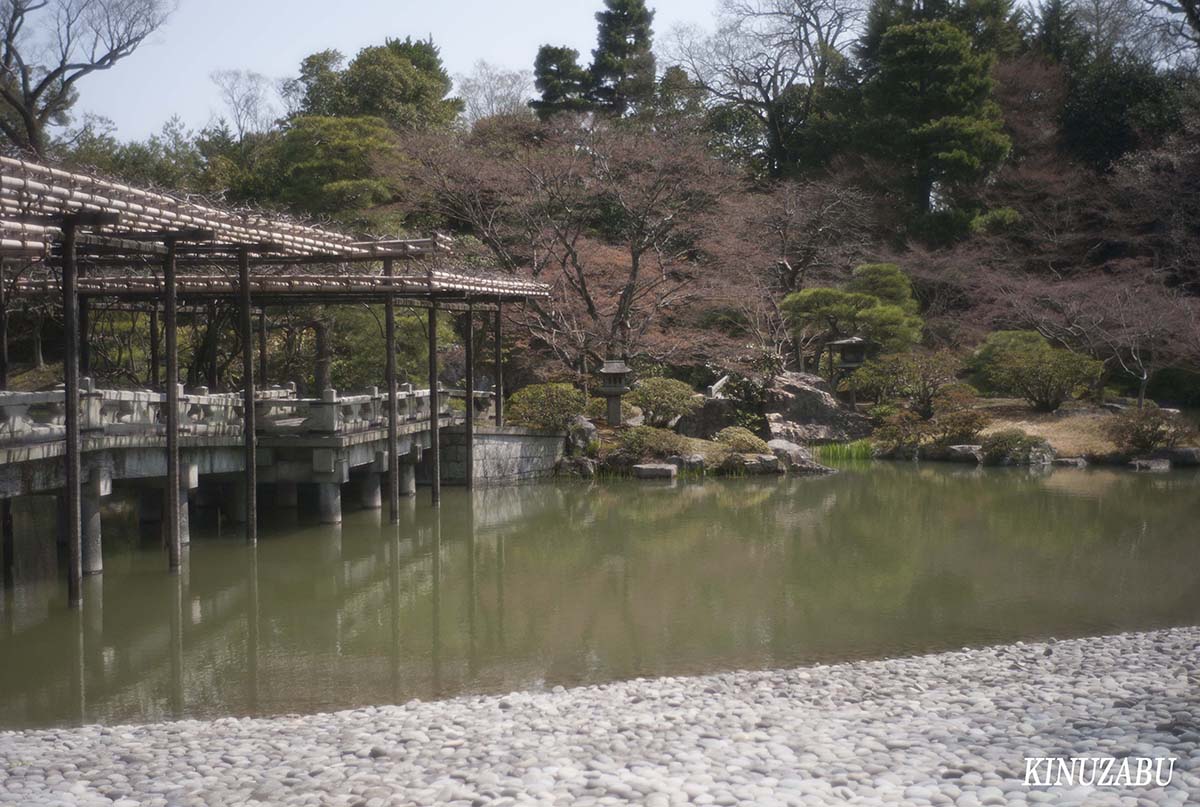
(614, 382)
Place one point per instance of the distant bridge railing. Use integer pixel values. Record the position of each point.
(40, 417)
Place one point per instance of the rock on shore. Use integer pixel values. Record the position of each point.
(947, 729)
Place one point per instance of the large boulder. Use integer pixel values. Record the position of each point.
(797, 459)
(800, 407)
(715, 414)
(960, 453)
(1180, 456)
(688, 462)
(579, 467)
(580, 434)
(655, 470)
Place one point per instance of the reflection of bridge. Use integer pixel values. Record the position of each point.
(318, 441)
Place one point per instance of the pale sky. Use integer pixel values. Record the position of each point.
(169, 74)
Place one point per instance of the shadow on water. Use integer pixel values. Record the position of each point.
(524, 587)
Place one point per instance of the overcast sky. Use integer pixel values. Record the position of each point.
(169, 74)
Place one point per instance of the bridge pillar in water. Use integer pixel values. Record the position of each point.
(185, 530)
(370, 490)
(97, 487)
(329, 502)
(408, 475)
(286, 496)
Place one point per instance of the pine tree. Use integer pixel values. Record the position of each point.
(1058, 34)
(623, 77)
(994, 26)
(563, 83)
(930, 111)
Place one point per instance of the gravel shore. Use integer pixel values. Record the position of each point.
(953, 728)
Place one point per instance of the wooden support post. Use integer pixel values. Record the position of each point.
(154, 358)
(262, 347)
(393, 475)
(248, 421)
(85, 349)
(469, 422)
(210, 347)
(435, 455)
(74, 516)
(498, 359)
(3, 328)
(174, 546)
(7, 538)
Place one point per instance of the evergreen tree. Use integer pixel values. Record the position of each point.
(402, 82)
(930, 111)
(623, 77)
(564, 85)
(994, 26)
(1058, 34)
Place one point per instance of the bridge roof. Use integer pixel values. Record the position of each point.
(122, 245)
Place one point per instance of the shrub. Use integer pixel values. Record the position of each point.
(647, 442)
(917, 377)
(959, 427)
(881, 412)
(662, 400)
(1009, 447)
(742, 440)
(981, 365)
(956, 421)
(597, 409)
(902, 431)
(1046, 377)
(1141, 431)
(546, 406)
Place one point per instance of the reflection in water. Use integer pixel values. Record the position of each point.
(523, 587)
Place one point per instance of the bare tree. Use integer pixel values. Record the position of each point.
(1135, 325)
(609, 216)
(47, 46)
(768, 52)
(1116, 27)
(247, 98)
(490, 90)
(1180, 19)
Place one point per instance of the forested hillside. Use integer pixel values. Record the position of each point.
(700, 198)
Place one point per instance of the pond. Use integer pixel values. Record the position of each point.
(537, 586)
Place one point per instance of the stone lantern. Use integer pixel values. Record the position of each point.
(614, 382)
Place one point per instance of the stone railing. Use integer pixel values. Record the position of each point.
(35, 417)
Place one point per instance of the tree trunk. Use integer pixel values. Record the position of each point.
(1142, 384)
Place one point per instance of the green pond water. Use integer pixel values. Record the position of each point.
(535, 586)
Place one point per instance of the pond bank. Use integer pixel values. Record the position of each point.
(952, 728)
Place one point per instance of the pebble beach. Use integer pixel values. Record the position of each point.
(945, 729)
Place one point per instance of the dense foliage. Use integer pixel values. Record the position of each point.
(663, 400)
(551, 407)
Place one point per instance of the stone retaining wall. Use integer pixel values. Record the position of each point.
(503, 456)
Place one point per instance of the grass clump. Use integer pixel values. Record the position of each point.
(846, 452)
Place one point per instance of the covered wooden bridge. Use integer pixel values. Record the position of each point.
(79, 239)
